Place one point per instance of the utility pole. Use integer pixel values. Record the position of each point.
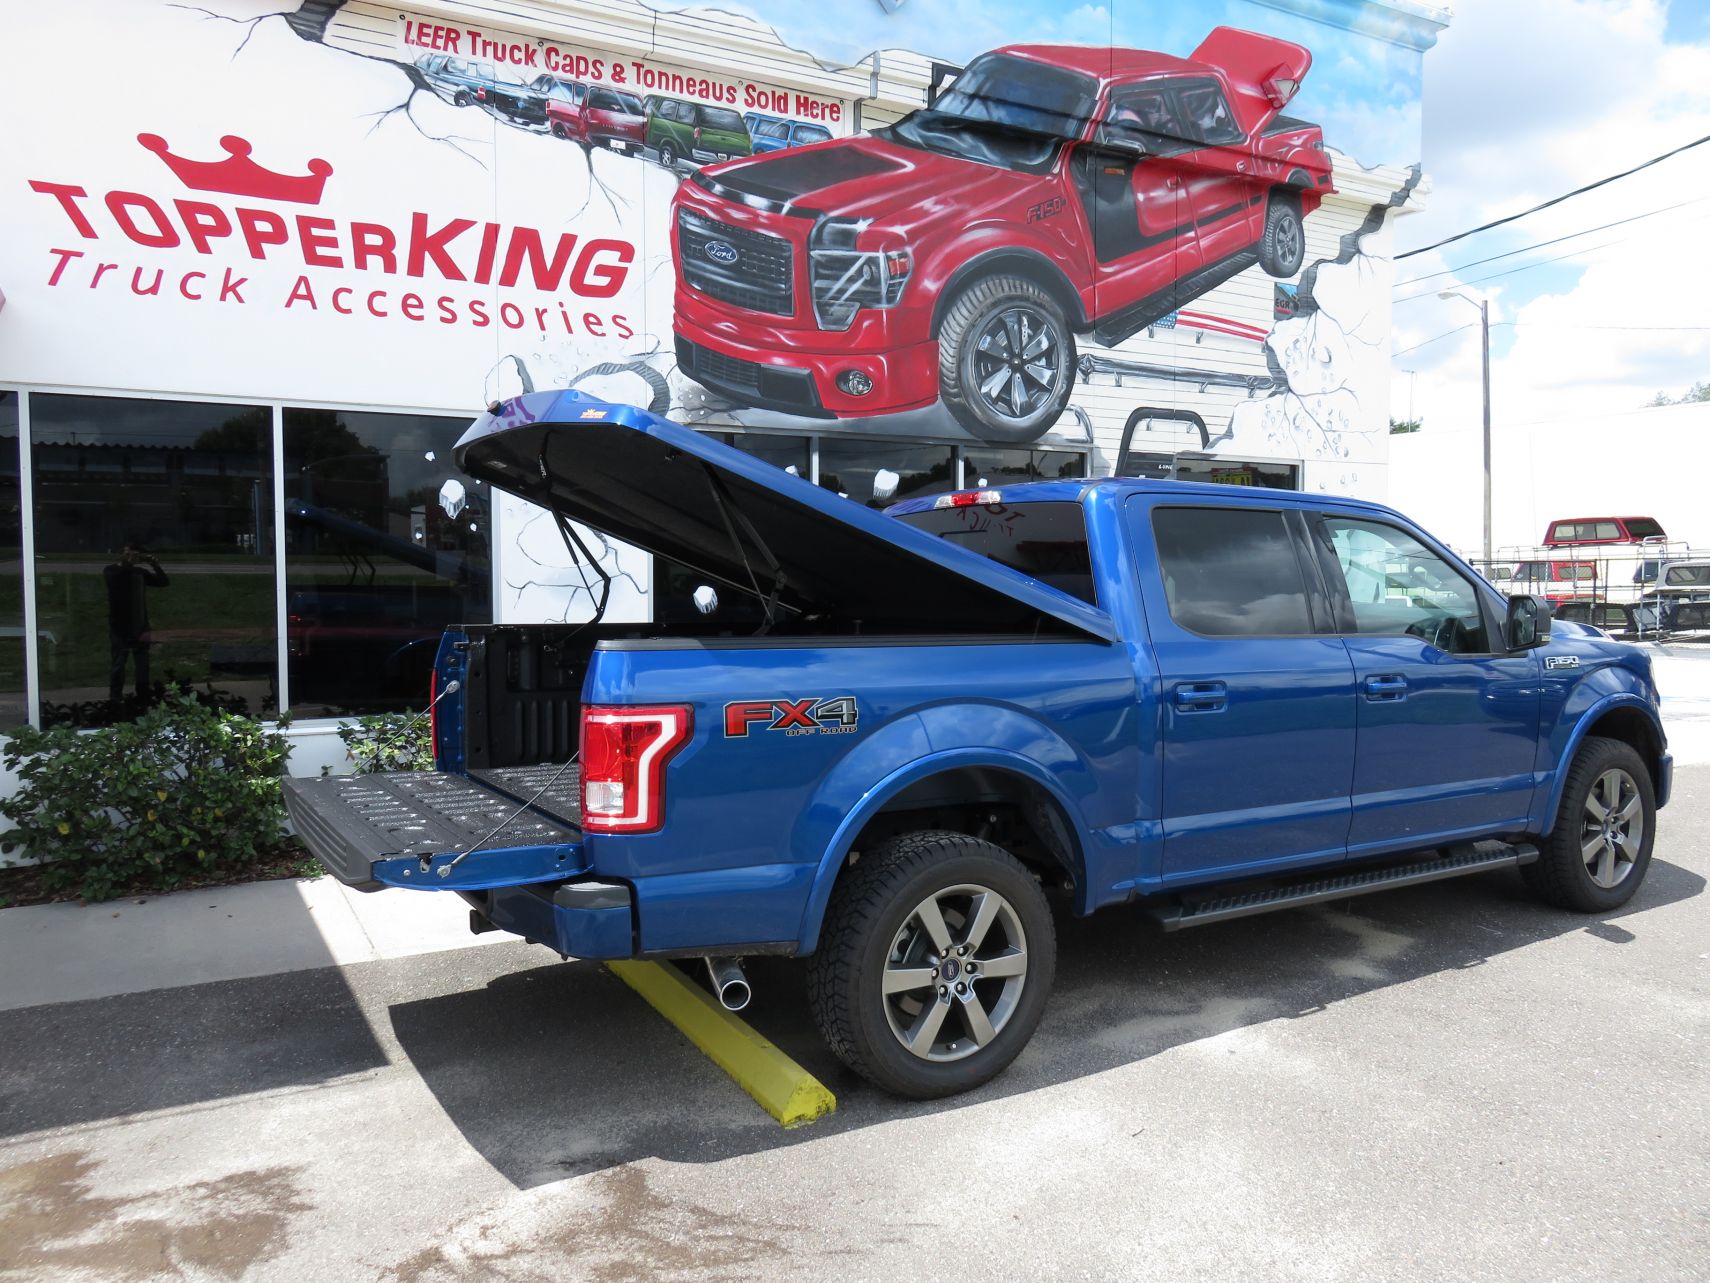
(1483, 306)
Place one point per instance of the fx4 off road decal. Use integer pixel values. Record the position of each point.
(811, 716)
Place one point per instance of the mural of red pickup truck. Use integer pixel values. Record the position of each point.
(1052, 191)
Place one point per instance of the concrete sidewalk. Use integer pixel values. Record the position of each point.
(69, 952)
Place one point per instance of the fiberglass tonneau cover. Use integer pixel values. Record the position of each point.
(739, 521)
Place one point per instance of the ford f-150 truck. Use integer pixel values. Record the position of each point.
(1051, 191)
(1198, 700)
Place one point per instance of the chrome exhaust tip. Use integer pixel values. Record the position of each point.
(729, 982)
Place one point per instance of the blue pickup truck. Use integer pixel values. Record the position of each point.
(900, 734)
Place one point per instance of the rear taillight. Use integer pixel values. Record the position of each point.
(624, 752)
(697, 133)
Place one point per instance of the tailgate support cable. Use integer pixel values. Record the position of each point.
(734, 516)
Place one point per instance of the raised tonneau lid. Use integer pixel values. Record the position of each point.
(677, 493)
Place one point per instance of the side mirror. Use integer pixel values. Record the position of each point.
(1528, 624)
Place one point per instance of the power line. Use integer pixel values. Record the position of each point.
(1513, 271)
(1472, 325)
(1450, 271)
(1445, 334)
(1555, 200)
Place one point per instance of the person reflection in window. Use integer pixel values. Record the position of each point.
(128, 581)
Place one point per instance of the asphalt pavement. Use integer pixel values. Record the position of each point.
(1447, 1082)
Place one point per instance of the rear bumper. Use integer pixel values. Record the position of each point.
(586, 919)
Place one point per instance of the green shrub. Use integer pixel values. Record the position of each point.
(182, 790)
(389, 742)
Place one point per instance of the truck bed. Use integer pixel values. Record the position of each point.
(561, 798)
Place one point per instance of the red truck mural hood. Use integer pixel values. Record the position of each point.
(861, 177)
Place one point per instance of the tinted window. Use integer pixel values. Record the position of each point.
(983, 467)
(1045, 540)
(12, 707)
(1398, 586)
(1643, 528)
(386, 546)
(811, 134)
(771, 129)
(604, 100)
(1207, 115)
(631, 104)
(1230, 572)
(154, 554)
(1005, 111)
(1146, 118)
(880, 473)
(719, 118)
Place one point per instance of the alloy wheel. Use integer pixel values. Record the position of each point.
(1018, 362)
(954, 973)
(1612, 827)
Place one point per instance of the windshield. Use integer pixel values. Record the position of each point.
(1004, 111)
(1644, 528)
(1045, 540)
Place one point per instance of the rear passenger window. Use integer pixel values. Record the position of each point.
(1231, 572)
(1606, 531)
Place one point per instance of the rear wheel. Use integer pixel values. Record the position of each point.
(558, 130)
(934, 965)
(1282, 244)
(1006, 359)
(461, 98)
(1597, 854)
(667, 155)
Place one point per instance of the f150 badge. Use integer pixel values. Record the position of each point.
(1561, 661)
(811, 716)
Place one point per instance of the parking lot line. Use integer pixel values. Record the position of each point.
(781, 1087)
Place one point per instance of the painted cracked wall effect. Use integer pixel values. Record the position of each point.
(1331, 359)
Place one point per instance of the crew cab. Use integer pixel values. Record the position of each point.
(597, 115)
(1195, 700)
(1051, 191)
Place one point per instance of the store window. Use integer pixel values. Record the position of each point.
(14, 710)
(154, 555)
(989, 467)
(385, 547)
(879, 473)
(793, 454)
(1233, 472)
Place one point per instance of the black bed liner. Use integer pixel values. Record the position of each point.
(351, 821)
(561, 798)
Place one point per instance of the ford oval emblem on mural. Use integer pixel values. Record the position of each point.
(720, 252)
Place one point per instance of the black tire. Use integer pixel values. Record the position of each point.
(1282, 244)
(1566, 872)
(871, 923)
(668, 156)
(1026, 404)
(558, 130)
(461, 98)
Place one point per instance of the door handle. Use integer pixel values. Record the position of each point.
(1202, 697)
(1172, 182)
(1386, 686)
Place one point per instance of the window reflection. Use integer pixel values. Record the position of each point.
(385, 547)
(1231, 572)
(13, 710)
(983, 467)
(154, 555)
(1234, 472)
(879, 473)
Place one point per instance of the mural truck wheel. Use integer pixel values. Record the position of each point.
(461, 99)
(668, 155)
(1282, 247)
(558, 130)
(1006, 359)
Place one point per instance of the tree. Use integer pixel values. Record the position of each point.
(1697, 392)
(1405, 425)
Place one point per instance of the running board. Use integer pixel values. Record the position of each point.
(1452, 864)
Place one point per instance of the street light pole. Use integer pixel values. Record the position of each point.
(1483, 306)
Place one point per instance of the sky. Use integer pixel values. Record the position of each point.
(1525, 100)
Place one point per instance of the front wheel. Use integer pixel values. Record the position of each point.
(934, 965)
(1282, 244)
(1006, 359)
(1597, 854)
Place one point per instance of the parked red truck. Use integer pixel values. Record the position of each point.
(1052, 191)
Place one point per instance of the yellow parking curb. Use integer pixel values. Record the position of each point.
(782, 1087)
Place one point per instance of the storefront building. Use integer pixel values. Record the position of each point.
(257, 286)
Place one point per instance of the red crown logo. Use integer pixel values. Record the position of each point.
(238, 175)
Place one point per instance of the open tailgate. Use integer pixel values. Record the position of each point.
(429, 830)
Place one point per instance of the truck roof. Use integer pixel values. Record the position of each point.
(1083, 489)
(1107, 64)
